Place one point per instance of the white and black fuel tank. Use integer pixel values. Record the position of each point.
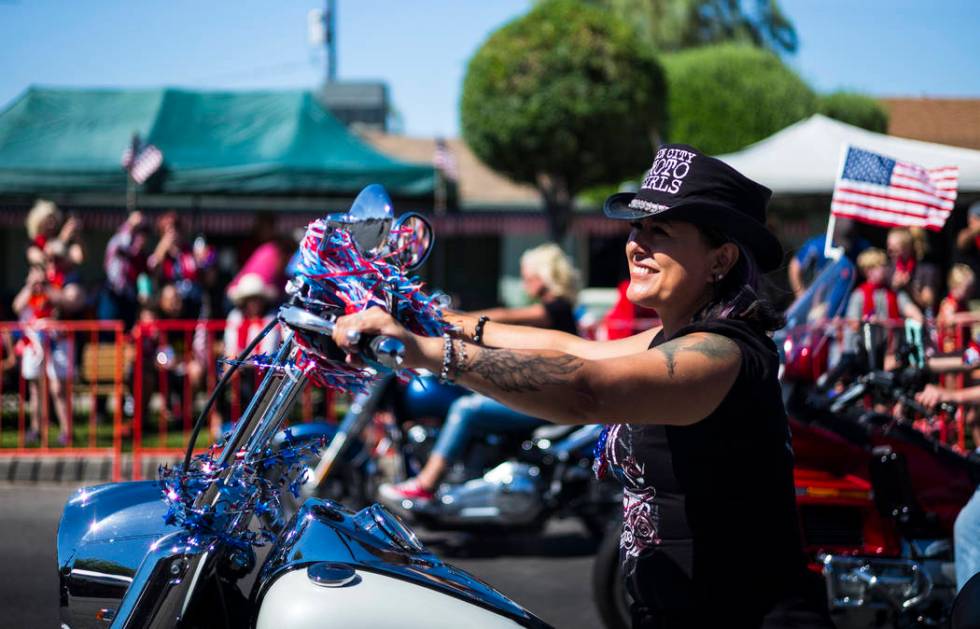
(334, 567)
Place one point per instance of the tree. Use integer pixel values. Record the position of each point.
(724, 97)
(671, 25)
(856, 109)
(563, 98)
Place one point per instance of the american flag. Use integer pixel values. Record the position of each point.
(444, 160)
(141, 160)
(875, 189)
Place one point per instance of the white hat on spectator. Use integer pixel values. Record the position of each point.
(251, 285)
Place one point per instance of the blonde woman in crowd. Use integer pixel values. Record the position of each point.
(552, 282)
(550, 279)
(51, 292)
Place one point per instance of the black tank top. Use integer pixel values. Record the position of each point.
(562, 315)
(711, 532)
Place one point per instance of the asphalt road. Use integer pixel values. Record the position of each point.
(549, 574)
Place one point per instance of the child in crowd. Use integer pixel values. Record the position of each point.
(875, 300)
(960, 282)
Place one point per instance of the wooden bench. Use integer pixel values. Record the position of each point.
(99, 367)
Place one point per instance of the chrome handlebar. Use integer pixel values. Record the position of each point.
(384, 350)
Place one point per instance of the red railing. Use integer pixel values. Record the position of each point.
(176, 367)
(45, 356)
(85, 373)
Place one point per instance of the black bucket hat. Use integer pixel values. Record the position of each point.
(686, 185)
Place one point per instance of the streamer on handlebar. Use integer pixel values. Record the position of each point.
(335, 277)
(338, 276)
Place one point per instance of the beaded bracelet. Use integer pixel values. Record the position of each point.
(478, 332)
(447, 358)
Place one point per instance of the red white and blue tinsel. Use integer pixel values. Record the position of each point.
(339, 276)
(243, 489)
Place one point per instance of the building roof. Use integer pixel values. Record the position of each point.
(804, 158)
(248, 142)
(480, 187)
(952, 121)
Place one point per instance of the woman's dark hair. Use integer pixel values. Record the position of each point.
(736, 295)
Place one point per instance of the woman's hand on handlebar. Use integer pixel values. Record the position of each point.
(350, 329)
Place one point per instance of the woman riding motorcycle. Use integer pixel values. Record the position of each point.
(698, 433)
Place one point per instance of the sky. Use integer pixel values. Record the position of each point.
(421, 47)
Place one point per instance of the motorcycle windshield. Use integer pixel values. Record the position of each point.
(826, 298)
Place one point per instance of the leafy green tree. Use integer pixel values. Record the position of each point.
(563, 98)
(671, 25)
(856, 109)
(724, 97)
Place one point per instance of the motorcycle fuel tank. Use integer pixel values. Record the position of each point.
(366, 569)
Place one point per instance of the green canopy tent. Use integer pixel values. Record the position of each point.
(279, 143)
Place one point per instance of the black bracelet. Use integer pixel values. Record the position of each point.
(478, 332)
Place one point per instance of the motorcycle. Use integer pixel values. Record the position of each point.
(502, 483)
(181, 551)
(876, 496)
(886, 553)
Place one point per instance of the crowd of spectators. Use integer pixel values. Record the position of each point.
(153, 272)
(901, 281)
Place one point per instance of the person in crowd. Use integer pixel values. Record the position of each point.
(907, 269)
(968, 240)
(810, 259)
(267, 262)
(960, 283)
(170, 353)
(697, 431)
(625, 318)
(51, 292)
(875, 299)
(549, 277)
(52, 236)
(253, 298)
(125, 262)
(174, 263)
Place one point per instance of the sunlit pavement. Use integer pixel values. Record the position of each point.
(549, 575)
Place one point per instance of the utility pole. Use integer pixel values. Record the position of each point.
(330, 39)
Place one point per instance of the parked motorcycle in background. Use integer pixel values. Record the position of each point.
(181, 551)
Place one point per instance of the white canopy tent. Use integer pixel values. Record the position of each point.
(804, 158)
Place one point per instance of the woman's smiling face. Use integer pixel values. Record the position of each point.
(670, 265)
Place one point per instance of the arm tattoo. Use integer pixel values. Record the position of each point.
(519, 373)
(713, 347)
